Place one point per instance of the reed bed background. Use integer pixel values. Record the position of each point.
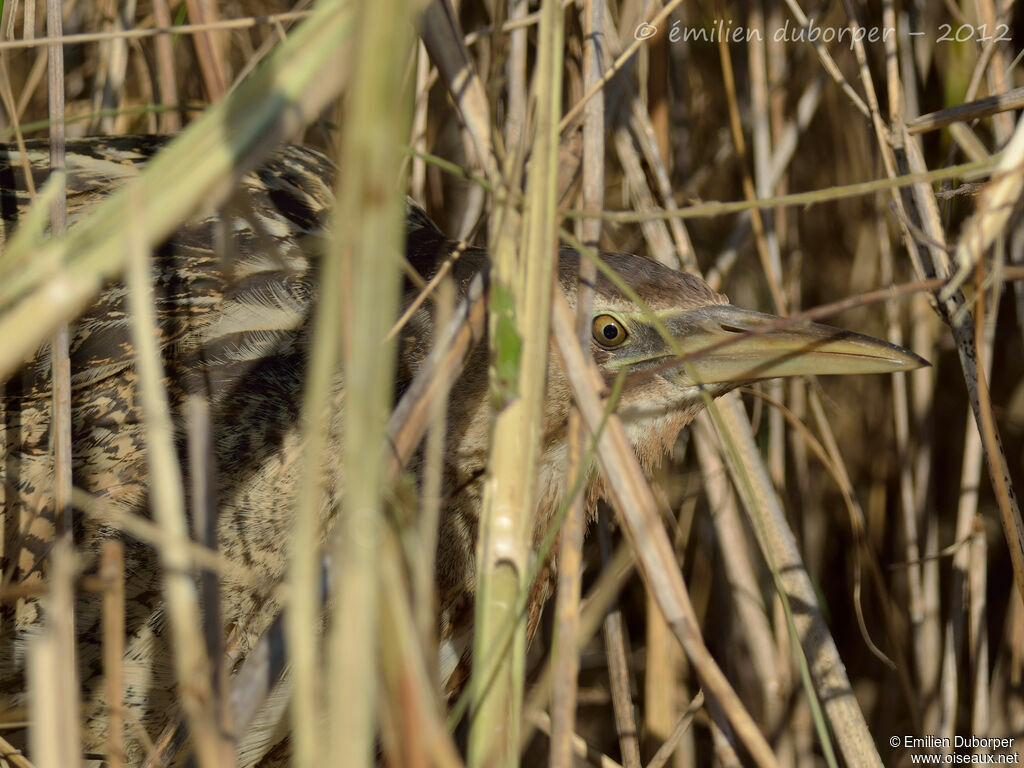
(860, 523)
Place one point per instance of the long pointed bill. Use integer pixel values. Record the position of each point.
(724, 343)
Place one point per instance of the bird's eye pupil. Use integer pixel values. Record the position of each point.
(608, 331)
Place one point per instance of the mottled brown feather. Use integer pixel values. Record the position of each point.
(240, 317)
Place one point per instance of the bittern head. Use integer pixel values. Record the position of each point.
(679, 341)
(676, 341)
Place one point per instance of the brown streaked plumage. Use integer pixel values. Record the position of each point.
(243, 323)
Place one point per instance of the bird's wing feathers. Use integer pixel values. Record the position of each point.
(255, 255)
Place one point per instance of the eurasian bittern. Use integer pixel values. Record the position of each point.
(244, 327)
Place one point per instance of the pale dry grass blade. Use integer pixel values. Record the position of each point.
(779, 547)
(580, 748)
(996, 206)
(368, 242)
(565, 659)
(925, 642)
(432, 496)
(209, 49)
(972, 110)
(112, 574)
(666, 750)
(248, 22)
(617, 653)
(422, 738)
(192, 663)
(978, 655)
(751, 611)
(167, 78)
(13, 755)
(521, 289)
(594, 608)
(448, 52)
(53, 705)
(61, 361)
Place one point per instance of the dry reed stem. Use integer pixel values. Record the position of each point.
(432, 497)
(749, 605)
(13, 755)
(112, 573)
(641, 131)
(972, 110)
(827, 62)
(978, 663)
(615, 642)
(423, 738)
(192, 663)
(779, 547)
(209, 49)
(957, 625)
(170, 122)
(642, 525)
(925, 640)
(368, 241)
(757, 223)
(52, 674)
(595, 606)
(521, 291)
(162, 31)
(444, 42)
(303, 647)
(580, 748)
(665, 751)
(966, 171)
(951, 301)
(565, 657)
(61, 361)
(111, 70)
(654, 230)
(573, 112)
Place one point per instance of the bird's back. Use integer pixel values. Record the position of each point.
(233, 292)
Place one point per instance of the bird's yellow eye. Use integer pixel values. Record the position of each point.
(608, 332)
